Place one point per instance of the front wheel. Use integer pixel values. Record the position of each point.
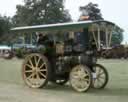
(35, 70)
(80, 78)
(102, 77)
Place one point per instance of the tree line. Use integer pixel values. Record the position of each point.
(36, 12)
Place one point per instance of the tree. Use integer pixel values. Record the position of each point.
(117, 36)
(35, 12)
(5, 25)
(92, 11)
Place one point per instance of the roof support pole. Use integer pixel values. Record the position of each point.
(31, 39)
(94, 36)
(99, 42)
(110, 37)
(23, 38)
(106, 36)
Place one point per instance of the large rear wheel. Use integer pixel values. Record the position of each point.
(35, 70)
(80, 78)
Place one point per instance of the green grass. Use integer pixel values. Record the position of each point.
(115, 91)
(10, 70)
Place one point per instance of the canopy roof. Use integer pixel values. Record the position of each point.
(61, 26)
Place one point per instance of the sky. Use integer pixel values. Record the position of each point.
(112, 10)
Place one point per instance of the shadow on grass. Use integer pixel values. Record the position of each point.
(60, 88)
(110, 92)
(51, 88)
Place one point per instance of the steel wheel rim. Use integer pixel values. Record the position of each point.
(34, 71)
(80, 78)
(100, 77)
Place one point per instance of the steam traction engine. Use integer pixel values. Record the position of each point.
(68, 56)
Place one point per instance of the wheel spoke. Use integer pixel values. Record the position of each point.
(30, 61)
(28, 71)
(99, 81)
(29, 66)
(42, 74)
(37, 76)
(99, 70)
(43, 70)
(75, 75)
(101, 77)
(101, 73)
(35, 59)
(41, 65)
(38, 62)
(75, 81)
(84, 84)
(85, 75)
(87, 80)
(31, 76)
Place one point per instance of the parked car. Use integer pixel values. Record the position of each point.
(6, 52)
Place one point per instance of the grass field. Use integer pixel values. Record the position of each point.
(12, 88)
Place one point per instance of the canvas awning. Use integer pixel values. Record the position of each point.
(59, 26)
(93, 26)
